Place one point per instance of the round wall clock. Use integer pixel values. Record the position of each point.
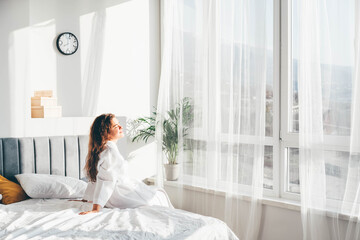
(67, 43)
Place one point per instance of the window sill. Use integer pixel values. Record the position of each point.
(266, 201)
(275, 202)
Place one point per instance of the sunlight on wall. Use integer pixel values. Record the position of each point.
(32, 66)
(18, 56)
(92, 30)
(42, 61)
(118, 74)
(85, 33)
(125, 83)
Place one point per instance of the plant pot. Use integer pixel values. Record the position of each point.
(172, 171)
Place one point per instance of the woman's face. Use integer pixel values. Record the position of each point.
(116, 131)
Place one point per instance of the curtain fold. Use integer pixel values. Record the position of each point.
(329, 168)
(311, 161)
(351, 201)
(93, 64)
(215, 82)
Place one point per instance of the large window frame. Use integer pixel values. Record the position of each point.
(287, 138)
(282, 138)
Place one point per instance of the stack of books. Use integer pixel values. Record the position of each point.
(44, 105)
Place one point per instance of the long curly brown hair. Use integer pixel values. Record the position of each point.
(97, 143)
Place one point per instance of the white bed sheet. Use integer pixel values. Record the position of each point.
(59, 219)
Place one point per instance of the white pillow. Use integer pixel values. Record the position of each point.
(51, 186)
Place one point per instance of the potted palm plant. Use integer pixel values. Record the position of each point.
(170, 133)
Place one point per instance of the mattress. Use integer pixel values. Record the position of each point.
(59, 219)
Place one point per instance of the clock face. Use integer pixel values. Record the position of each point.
(67, 43)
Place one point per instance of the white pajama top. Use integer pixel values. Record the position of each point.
(115, 189)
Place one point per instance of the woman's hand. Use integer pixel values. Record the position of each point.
(87, 212)
(96, 208)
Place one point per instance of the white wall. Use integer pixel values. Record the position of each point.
(276, 223)
(279, 221)
(123, 78)
(116, 68)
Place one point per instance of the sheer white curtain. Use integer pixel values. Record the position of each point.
(93, 64)
(351, 202)
(311, 161)
(328, 79)
(215, 58)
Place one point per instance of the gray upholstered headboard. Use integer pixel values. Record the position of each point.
(50, 155)
(58, 155)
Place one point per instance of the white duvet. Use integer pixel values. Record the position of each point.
(59, 219)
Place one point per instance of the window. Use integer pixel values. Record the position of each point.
(281, 151)
(336, 164)
(244, 147)
(337, 65)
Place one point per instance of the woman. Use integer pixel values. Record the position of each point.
(109, 185)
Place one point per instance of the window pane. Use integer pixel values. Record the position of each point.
(293, 170)
(233, 67)
(245, 62)
(270, 68)
(242, 164)
(197, 161)
(238, 104)
(336, 165)
(337, 62)
(268, 167)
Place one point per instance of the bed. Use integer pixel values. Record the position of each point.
(59, 219)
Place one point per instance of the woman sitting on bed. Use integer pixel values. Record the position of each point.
(109, 185)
